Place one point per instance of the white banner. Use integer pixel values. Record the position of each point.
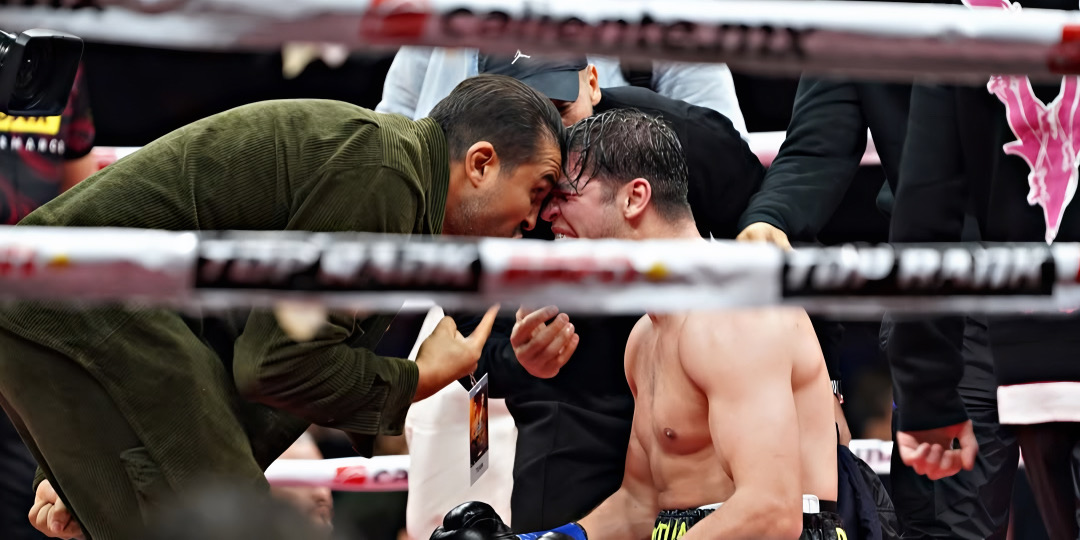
(865, 39)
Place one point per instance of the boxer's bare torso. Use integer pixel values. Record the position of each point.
(740, 362)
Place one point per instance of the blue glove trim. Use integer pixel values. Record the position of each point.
(573, 530)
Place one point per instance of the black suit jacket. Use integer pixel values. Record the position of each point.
(821, 153)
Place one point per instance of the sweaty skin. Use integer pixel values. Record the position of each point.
(675, 413)
(718, 396)
(731, 407)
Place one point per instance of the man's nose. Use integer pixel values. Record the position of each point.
(550, 211)
(530, 222)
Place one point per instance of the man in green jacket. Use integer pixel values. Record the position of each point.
(124, 408)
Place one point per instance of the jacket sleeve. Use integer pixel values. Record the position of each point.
(327, 380)
(925, 355)
(498, 361)
(724, 172)
(824, 145)
(404, 79)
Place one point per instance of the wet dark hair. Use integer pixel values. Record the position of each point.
(501, 110)
(620, 145)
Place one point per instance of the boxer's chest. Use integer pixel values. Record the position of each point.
(672, 409)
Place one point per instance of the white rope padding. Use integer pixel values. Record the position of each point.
(391, 473)
(860, 39)
(764, 144)
(381, 272)
(380, 473)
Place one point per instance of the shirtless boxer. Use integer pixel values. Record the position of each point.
(731, 407)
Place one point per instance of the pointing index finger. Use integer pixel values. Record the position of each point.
(480, 335)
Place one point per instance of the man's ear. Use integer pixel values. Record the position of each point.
(594, 85)
(638, 196)
(481, 162)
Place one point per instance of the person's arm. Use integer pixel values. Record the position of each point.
(747, 389)
(925, 354)
(328, 381)
(630, 512)
(404, 79)
(705, 85)
(79, 134)
(724, 172)
(931, 199)
(824, 145)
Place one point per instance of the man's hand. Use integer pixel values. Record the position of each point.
(543, 349)
(51, 516)
(446, 355)
(930, 452)
(763, 232)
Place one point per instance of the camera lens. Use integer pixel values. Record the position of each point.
(37, 70)
(33, 75)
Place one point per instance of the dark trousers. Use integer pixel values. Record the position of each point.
(1052, 463)
(971, 504)
(16, 489)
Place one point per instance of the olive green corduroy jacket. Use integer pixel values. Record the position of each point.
(311, 165)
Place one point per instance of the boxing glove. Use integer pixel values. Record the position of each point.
(473, 520)
(478, 521)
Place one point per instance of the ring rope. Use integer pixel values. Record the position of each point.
(381, 272)
(779, 37)
(764, 144)
(391, 473)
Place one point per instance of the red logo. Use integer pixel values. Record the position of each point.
(395, 21)
(529, 270)
(19, 261)
(355, 475)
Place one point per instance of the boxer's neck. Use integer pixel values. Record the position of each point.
(653, 227)
(663, 322)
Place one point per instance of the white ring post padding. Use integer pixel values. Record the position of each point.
(764, 144)
(864, 39)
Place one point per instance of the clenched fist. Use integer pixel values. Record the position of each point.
(51, 516)
(446, 355)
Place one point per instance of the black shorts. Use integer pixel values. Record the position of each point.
(824, 525)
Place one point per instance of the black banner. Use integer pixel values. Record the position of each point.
(920, 270)
(329, 262)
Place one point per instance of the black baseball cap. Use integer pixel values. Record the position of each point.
(556, 78)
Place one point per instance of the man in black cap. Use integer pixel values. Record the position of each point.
(574, 418)
(724, 172)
